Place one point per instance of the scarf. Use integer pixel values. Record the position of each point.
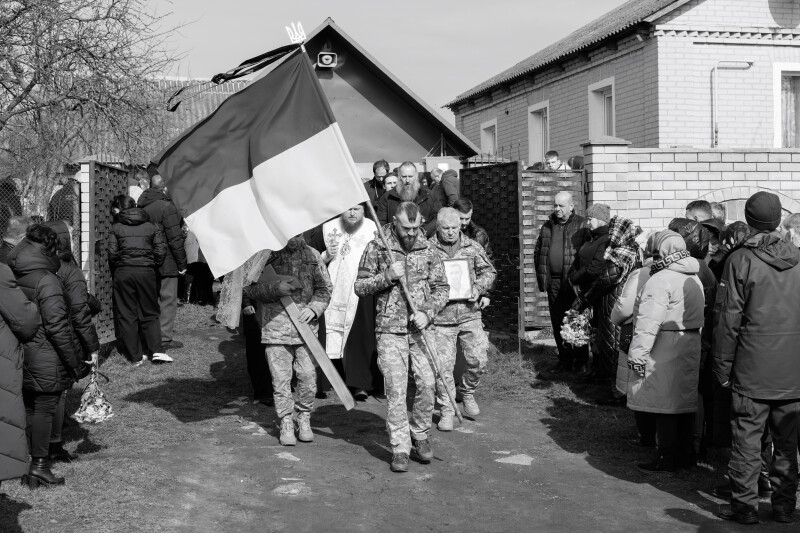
(623, 250)
(663, 263)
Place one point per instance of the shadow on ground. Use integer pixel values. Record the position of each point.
(10, 510)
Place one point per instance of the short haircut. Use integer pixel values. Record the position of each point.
(792, 222)
(157, 182)
(718, 211)
(463, 204)
(409, 209)
(381, 163)
(41, 234)
(437, 172)
(550, 153)
(448, 214)
(122, 202)
(406, 164)
(16, 227)
(700, 205)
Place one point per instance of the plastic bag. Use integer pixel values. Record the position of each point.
(94, 408)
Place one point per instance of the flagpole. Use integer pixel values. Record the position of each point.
(430, 354)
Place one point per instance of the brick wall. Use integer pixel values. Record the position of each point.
(652, 186)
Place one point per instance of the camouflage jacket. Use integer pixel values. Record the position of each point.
(424, 276)
(481, 272)
(305, 264)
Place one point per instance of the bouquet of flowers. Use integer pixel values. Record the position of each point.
(576, 330)
(94, 406)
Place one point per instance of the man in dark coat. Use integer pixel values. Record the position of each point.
(408, 190)
(470, 228)
(375, 185)
(19, 321)
(558, 243)
(755, 354)
(446, 187)
(15, 232)
(163, 212)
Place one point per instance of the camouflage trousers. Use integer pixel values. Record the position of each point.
(474, 343)
(394, 354)
(282, 359)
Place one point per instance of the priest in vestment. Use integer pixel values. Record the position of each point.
(350, 320)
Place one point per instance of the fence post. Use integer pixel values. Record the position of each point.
(605, 163)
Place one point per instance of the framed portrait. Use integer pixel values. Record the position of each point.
(457, 273)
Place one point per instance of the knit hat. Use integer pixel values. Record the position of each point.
(763, 211)
(667, 242)
(450, 173)
(600, 212)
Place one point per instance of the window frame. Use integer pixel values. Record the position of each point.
(779, 70)
(484, 127)
(598, 94)
(539, 138)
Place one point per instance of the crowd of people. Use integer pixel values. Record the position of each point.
(694, 328)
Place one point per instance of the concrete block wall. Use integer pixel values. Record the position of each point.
(652, 186)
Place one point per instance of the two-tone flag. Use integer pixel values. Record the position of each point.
(267, 165)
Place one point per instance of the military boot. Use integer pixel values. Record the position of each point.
(471, 406)
(287, 431)
(304, 433)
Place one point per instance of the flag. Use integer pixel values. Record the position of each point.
(267, 165)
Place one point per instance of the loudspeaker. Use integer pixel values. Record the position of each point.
(326, 60)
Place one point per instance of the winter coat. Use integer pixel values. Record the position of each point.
(374, 190)
(481, 273)
(76, 293)
(387, 205)
(445, 193)
(574, 236)
(757, 320)
(5, 249)
(135, 241)
(52, 361)
(479, 235)
(624, 312)
(20, 320)
(666, 341)
(306, 265)
(425, 278)
(590, 263)
(164, 213)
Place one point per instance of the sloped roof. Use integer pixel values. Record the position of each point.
(612, 23)
(192, 110)
(454, 137)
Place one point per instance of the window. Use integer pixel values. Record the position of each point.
(538, 131)
(489, 137)
(786, 105)
(602, 119)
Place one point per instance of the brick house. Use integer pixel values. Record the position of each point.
(705, 94)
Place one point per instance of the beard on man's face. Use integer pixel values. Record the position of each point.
(408, 193)
(351, 225)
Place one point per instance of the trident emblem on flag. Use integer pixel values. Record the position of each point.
(296, 33)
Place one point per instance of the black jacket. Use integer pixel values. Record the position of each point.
(5, 249)
(590, 264)
(52, 362)
(387, 205)
(135, 241)
(76, 293)
(374, 191)
(19, 320)
(164, 213)
(757, 320)
(575, 235)
(479, 235)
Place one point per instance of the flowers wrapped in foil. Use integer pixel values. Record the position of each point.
(94, 407)
(576, 329)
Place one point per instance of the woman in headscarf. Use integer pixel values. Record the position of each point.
(664, 356)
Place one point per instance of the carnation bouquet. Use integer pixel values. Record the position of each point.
(576, 329)
(94, 406)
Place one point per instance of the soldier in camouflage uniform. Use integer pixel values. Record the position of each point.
(460, 321)
(399, 332)
(310, 288)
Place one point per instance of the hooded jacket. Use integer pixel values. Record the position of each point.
(135, 241)
(757, 320)
(19, 320)
(76, 293)
(590, 264)
(387, 205)
(164, 213)
(425, 278)
(52, 362)
(666, 338)
(574, 236)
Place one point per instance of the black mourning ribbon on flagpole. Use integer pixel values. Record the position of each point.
(254, 64)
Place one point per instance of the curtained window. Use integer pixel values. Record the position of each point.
(790, 105)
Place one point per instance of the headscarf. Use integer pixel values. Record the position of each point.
(623, 250)
(671, 249)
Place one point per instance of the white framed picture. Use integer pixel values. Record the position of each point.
(457, 273)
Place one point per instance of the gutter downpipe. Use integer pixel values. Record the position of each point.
(715, 97)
